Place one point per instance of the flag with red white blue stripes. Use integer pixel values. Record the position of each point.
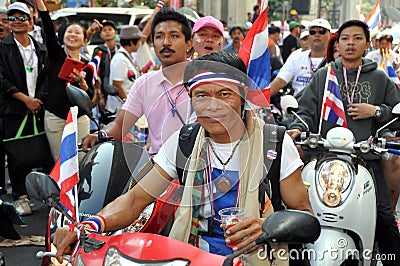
(332, 106)
(94, 66)
(373, 19)
(254, 53)
(66, 169)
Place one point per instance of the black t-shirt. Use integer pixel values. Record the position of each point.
(288, 43)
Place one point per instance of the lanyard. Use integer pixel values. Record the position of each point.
(109, 51)
(28, 62)
(211, 186)
(173, 102)
(65, 50)
(350, 99)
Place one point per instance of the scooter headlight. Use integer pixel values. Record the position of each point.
(115, 258)
(333, 177)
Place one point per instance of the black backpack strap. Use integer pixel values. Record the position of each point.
(187, 138)
(273, 140)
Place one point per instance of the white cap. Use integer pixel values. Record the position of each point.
(304, 34)
(320, 22)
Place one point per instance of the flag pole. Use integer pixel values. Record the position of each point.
(324, 98)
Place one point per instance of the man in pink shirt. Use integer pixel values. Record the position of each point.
(159, 95)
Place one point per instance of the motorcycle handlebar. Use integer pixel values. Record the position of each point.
(393, 151)
(393, 145)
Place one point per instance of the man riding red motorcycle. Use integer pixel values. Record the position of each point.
(218, 94)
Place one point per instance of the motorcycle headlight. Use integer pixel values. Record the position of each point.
(333, 177)
(115, 258)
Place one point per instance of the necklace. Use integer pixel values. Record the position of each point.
(223, 184)
(173, 102)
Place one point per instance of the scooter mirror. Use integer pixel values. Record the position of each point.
(110, 89)
(396, 110)
(80, 98)
(289, 104)
(291, 226)
(41, 187)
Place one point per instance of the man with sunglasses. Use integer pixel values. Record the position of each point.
(300, 67)
(24, 87)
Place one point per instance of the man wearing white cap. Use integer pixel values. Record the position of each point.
(300, 67)
(24, 89)
(208, 36)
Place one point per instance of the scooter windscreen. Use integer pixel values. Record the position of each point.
(105, 173)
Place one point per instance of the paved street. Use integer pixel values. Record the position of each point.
(36, 223)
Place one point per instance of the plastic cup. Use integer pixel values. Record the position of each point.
(229, 218)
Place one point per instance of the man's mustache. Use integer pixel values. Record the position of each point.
(166, 49)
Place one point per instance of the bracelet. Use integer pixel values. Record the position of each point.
(97, 223)
(104, 133)
(90, 30)
(160, 4)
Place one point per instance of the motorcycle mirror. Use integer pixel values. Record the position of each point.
(287, 226)
(110, 89)
(396, 110)
(291, 226)
(80, 98)
(289, 104)
(41, 187)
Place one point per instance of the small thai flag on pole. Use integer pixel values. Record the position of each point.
(66, 169)
(332, 105)
(254, 53)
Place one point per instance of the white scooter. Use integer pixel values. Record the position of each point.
(342, 193)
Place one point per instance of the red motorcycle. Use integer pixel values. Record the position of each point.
(149, 249)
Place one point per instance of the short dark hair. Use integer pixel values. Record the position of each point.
(273, 29)
(127, 42)
(166, 14)
(255, 8)
(386, 37)
(235, 28)
(357, 23)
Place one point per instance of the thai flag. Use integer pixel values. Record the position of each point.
(332, 106)
(254, 53)
(66, 169)
(373, 20)
(94, 66)
(392, 75)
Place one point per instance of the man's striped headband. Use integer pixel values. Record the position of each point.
(211, 77)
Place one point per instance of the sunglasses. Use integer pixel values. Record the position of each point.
(321, 31)
(20, 18)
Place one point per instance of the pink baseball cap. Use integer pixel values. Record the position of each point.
(208, 21)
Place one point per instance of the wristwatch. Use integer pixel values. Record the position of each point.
(377, 112)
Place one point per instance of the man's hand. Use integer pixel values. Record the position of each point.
(294, 133)
(63, 239)
(88, 141)
(245, 232)
(33, 104)
(359, 111)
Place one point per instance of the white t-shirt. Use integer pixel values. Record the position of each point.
(298, 69)
(213, 202)
(377, 57)
(166, 157)
(119, 67)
